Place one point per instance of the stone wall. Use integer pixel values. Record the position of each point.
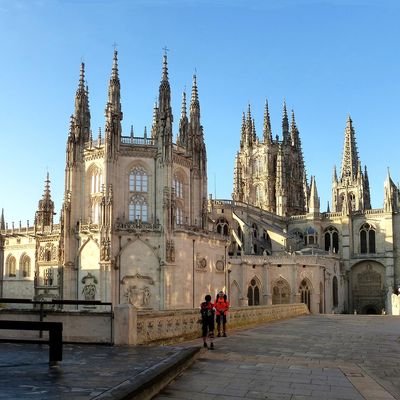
(131, 327)
(78, 326)
(166, 327)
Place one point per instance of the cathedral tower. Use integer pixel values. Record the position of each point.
(351, 190)
(270, 173)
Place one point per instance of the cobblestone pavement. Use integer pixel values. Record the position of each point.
(313, 357)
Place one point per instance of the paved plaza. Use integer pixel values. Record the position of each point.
(311, 357)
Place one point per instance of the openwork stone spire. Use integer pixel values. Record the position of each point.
(350, 160)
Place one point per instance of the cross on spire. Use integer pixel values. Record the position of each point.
(166, 49)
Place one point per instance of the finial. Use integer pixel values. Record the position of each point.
(165, 65)
(145, 132)
(81, 86)
(99, 139)
(132, 131)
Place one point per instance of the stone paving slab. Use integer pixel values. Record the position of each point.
(86, 372)
(315, 357)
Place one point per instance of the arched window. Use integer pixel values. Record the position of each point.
(253, 293)
(281, 292)
(223, 227)
(95, 210)
(367, 239)
(96, 180)
(25, 267)
(179, 216)
(352, 199)
(11, 267)
(138, 180)
(331, 236)
(305, 293)
(255, 230)
(178, 186)
(138, 209)
(95, 185)
(335, 292)
(311, 237)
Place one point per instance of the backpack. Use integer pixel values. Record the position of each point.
(206, 310)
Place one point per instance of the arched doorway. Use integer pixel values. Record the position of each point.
(368, 287)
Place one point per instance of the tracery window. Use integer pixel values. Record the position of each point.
(138, 180)
(367, 239)
(11, 267)
(331, 236)
(178, 186)
(223, 227)
(96, 189)
(281, 292)
(305, 293)
(253, 293)
(138, 209)
(96, 181)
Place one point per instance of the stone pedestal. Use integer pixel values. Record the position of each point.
(125, 325)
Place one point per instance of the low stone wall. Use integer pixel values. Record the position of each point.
(167, 327)
(78, 326)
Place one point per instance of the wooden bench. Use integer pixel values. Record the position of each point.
(55, 334)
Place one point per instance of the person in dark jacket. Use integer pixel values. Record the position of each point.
(207, 311)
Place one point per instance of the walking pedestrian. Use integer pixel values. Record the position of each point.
(207, 310)
(221, 307)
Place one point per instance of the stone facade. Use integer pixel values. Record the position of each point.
(136, 226)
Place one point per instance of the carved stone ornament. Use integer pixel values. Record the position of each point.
(219, 265)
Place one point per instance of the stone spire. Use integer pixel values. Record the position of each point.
(182, 139)
(113, 107)
(294, 133)
(113, 113)
(165, 118)
(164, 99)
(194, 102)
(2, 221)
(267, 133)
(45, 212)
(285, 124)
(350, 161)
(314, 203)
(82, 112)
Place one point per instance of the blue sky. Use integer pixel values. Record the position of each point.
(326, 58)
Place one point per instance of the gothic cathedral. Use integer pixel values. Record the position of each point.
(137, 225)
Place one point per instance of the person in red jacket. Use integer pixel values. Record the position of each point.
(221, 307)
(207, 311)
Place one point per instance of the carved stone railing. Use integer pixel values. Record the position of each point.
(174, 326)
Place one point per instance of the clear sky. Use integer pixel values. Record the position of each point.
(326, 58)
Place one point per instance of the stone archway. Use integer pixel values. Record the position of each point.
(281, 292)
(368, 287)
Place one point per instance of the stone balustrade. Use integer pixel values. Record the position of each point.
(166, 327)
